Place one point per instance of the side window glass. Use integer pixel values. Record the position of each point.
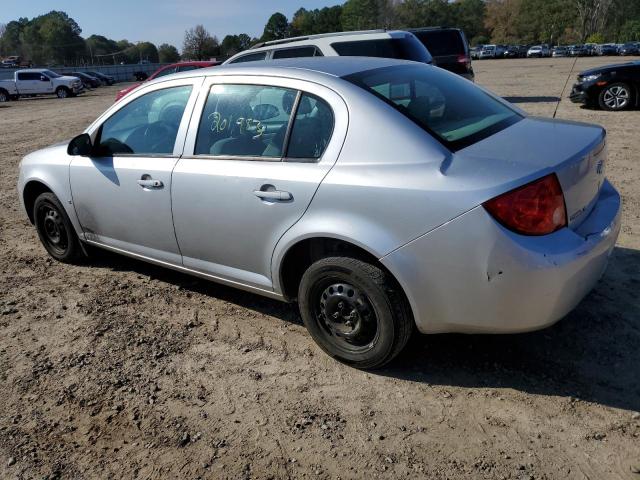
(296, 52)
(245, 120)
(166, 71)
(312, 129)
(147, 125)
(186, 68)
(253, 57)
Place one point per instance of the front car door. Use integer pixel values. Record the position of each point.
(256, 152)
(29, 83)
(122, 192)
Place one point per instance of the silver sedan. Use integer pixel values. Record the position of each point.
(381, 195)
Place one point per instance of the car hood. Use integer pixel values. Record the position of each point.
(68, 78)
(606, 68)
(533, 148)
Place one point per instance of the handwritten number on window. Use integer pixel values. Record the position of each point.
(219, 124)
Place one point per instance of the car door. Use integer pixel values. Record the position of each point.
(29, 82)
(255, 155)
(122, 192)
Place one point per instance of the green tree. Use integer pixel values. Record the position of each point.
(168, 53)
(469, 16)
(630, 31)
(595, 38)
(310, 22)
(199, 44)
(276, 28)
(147, 51)
(363, 14)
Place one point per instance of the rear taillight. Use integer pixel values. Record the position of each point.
(463, 59)
(536, 208)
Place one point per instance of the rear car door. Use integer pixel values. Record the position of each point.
(122, 192)
(255, 155)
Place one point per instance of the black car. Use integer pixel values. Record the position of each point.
(516, 51)
(449, 49)
(608, 49)
(87, 80)
(106, 79)
(630, 48)
(612, 87)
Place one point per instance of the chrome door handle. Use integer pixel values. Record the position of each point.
(150, 183)
(274, 195)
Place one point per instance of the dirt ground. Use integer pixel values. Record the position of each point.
(118, 369)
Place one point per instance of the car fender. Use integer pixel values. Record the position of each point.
(41, 167)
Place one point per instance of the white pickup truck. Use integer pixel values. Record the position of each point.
(38, 82)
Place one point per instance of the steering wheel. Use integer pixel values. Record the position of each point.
(151, 138)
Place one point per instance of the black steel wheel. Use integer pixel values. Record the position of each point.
(354, 311)
(55, 230)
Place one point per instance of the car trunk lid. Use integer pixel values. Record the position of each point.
(535, 147)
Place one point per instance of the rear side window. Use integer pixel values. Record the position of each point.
(404, 48)
(297, 52)
(245, 120)
(453, 110)
(312, 129)
(186, 68)
(29, 76)
(252, 57)
(442, 42)
(166, 71)
(147, 125)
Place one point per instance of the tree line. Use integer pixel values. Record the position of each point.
(55, 38)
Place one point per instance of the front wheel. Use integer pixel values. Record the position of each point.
(55, 230)
(615, 97)
(62, 92)
(355, 311)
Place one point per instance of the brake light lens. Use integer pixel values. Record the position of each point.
(463, 59)
(536, 208)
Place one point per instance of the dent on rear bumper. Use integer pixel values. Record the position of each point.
(471, 275)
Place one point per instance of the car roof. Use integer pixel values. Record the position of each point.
(352, 35)
(300, 68)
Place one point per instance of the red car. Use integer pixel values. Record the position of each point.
(168, 70)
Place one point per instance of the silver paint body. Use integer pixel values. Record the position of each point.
(383, 184)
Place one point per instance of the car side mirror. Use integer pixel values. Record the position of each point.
(44, 78)
(80, 146)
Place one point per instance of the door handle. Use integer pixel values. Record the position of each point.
(150, 183)
(273, 195)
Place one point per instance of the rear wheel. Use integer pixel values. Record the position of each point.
(614, 97)
(55, 230)
(62, 92)
(4, 96)
(354, 311)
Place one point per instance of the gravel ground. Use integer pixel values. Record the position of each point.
(119, 369)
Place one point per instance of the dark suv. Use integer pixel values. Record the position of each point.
(449, 48)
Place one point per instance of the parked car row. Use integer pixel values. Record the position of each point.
(41, 81)
(480, 52)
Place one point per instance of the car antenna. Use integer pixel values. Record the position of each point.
(575, 60)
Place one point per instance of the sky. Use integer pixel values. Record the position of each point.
(161, 21)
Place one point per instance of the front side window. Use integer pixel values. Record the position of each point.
(166, 71)
(245, 120)
(51, 74)
(297, 52)
(452, 109)
(312, 129)
(147, 125)
(252, 57)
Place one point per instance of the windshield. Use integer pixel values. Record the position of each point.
(449, 107)
(51, 74)
(404, 48)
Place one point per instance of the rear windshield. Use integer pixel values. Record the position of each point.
(404, 48)
(451, 108)
(442, 42)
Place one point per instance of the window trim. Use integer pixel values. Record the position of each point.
(284, 158)
(95, 130)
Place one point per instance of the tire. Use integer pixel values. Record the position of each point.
(4, 96)
(55, 229)
(62, 92)
(336, 287)
(615, 97)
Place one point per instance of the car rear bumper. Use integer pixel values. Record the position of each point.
(472, 275)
